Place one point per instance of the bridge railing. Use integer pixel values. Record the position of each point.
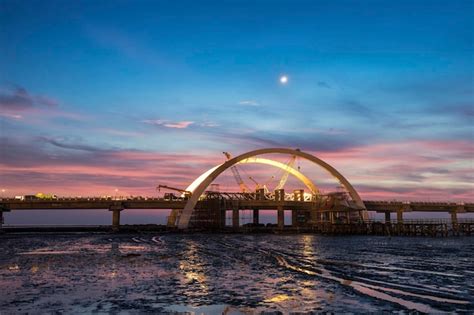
(424, 221)
(396, 202)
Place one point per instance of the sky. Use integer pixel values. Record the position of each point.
(104, 95)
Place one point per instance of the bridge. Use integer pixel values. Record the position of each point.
(206, 209)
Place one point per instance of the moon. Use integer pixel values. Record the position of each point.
(283, 79)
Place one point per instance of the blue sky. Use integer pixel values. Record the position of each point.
(194, 78)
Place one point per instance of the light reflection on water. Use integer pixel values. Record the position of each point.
(234, 273)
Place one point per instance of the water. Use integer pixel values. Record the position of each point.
(236, 274)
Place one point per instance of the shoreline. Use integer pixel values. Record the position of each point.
(372, 229)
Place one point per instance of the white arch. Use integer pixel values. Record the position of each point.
(212, 175)
(305, 180)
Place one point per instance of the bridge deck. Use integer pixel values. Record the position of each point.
(157, 203)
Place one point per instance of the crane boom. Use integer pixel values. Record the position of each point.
(173, 188)
(236, 174)
(257, 185)
(285, 175)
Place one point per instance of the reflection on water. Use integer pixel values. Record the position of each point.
(191, 266)
(234, 273)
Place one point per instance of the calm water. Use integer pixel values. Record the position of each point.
(234, 273)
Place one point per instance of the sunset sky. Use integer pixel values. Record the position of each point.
(104, 95)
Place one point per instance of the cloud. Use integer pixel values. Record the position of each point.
(29, 165)
(437, 169)
(208, 124)
(121, 133)
(11, 116)
(19, 99)
(170, 124)
(249, 103)
(58, 143)
(179, 124)
(311, 141)
(323, 85)
(47, 101)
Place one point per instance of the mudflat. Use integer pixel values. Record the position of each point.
(214, 273)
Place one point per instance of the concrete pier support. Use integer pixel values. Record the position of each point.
(2, 218)
(387, 216)
(294, 218)
(173, 217)
(315, 216)
(348, 217)
(400, 216)
(332, 217)
(116, 209)
(454, 217)
(116, 220)
(235, 218)
(281, 217)
(222, 218)
(256, 216)
(454, 220)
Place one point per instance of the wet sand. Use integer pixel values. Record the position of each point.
(215, 273)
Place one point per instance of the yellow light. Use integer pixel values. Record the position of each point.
(277, 298)
(311, 186)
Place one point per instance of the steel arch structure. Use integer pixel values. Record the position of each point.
(212, 174)
(300, 176)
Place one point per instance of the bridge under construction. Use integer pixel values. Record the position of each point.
(199, 207)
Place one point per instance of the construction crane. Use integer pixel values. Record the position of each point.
(264, 186)
(257, 185)
(185, 193)
(236, 174)
(285, 175)
(172, 188)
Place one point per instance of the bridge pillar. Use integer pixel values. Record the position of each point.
(256, 216)
(281, 217)
(387, 216)
(294, 218)
(400, 216)
(116, 220)
(332, 217)
(454, 219)
(235, 218)
(2, 220)
(222, 218)
(116, 209)
(348, 217)
(173, 217)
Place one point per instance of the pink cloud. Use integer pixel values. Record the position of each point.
(169, 124)
(11, 116)
(417, 170)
